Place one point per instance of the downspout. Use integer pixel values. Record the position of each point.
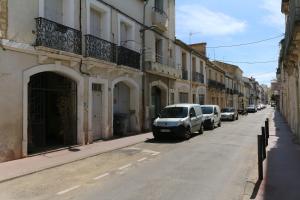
(143, 68)
(80, 29)
(191, 77)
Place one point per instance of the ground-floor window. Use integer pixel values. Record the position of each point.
(183, 97)
(201, 99)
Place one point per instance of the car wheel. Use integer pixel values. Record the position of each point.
(219, 125)
(212, 126)
(201, 130)
(156, 135)
(187, 134)
(233, 118)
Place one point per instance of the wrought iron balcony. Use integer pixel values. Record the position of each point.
(128, 57)
(185, 74)
(57, 36)
(198, 77)
(235, 91)
(98, 48)
(292, 24)
(216, 85)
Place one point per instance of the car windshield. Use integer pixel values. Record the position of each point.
(227, 110)
(207, 110)
(174, 112)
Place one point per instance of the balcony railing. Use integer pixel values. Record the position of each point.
(198, 77)
(293, 18)
(165, 61)
(98, 48)
(185, 74)
(128, 57)
(236, 92)
(216, 84)
(57, 36)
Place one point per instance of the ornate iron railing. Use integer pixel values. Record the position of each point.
(128, 57)
(198, 77)
(216, 84)
(185, 74)
(235, 91)
(57, 36)
(98, 48)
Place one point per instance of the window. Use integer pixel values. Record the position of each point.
(183, 60)
(95, 23)
(54, 10)
(172, 98)
(201, 67)
(201, 99)
(209, 74)
(194, 98)
(192, 112)
(124, 34)
(183, 97)
(158, 51)
(194, 64)
(159, 4)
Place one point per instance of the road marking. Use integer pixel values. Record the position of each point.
(154, 153)
(101, 176)
(142, 159)
(68, 190)
(125, 166)
(133, 148)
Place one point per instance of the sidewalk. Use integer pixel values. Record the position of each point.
(282, 166)
(17, 168)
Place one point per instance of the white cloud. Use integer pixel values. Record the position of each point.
(273, 16)
(196, 18)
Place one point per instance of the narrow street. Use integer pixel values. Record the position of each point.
(214, 165)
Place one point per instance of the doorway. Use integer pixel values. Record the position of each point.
(97, 111)
(52, 112)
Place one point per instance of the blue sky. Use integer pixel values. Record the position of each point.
(229, 22)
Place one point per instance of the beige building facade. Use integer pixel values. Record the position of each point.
(70, 72)
(288, 69)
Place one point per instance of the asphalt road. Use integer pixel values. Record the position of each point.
(211, 166)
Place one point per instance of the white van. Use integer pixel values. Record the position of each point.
(178, 120)
(211, 116)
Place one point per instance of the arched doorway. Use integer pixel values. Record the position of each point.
(52, 112)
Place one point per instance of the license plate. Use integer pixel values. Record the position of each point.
(165, 130)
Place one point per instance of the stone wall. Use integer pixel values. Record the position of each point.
(3, 18)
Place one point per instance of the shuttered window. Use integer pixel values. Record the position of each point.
(124, 35)
(54, 10)
(95, 23)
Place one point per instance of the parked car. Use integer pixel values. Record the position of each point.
(229, 114)
(251, 109)
(179, 120)
(211, 116)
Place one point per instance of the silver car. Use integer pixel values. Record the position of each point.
(178, 120)
(229, 114)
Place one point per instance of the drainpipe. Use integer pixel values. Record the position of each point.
(80, 29)
(191, 76)
(143, 67)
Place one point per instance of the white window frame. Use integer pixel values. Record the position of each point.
(130, 23)
(68, 17)
(106, 21)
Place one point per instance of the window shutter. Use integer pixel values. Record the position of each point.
(54, 10)
(95, 23)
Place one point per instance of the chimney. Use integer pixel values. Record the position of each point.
(200, 48)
